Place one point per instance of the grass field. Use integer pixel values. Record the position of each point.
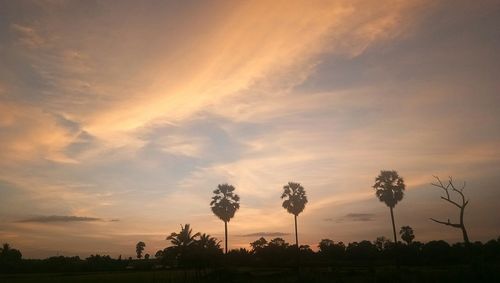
(274, 275)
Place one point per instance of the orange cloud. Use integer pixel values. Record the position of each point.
(29, 133)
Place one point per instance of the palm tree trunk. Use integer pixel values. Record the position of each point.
(393, 227)
(225, 229)
(297, 243)
(296, 234)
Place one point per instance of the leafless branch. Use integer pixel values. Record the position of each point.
(446, 188)
(448, 223)
(447, 198)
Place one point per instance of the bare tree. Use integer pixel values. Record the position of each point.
(460, 205)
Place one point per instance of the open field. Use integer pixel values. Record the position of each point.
(485, 273)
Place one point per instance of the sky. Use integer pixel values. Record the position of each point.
(119, 119)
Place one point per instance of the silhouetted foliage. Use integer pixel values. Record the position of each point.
(363, 250)
(389, 188)
(9, 254)
(195, 250)
(240, 257)
(382, 243)
(436, 251)
(185, 238)
(258, 245)
(331, 250)
(407, 234)
(182, 242)
(274, 253)
(139, 248)
(9, 257)
(460, 205)
(99, 263)
(224, 205)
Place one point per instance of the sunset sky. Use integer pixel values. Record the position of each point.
(119, 118)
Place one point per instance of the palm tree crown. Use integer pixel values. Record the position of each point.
(295, 198)
(407, 234)
(225, 202)
(184, 238)
(208, 242)
(389, 188)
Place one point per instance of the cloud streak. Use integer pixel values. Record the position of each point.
(265, 234)
(60, 219)
(357, 217)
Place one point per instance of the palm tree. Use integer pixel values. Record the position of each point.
(139, 248)
(184, 238)
(389, 189)
(295, 202)
(406, 234)
(208, 242)
(224, 205)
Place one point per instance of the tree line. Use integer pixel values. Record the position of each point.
(197, 250)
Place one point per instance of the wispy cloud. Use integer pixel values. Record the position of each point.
(265, 234)
(28, 35)
(60, 218)
(362, 217)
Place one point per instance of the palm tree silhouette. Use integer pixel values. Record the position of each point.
(184, 238)
(295, 202)
(407, 234)
(389, 189)
(208, 242)
(224, 205)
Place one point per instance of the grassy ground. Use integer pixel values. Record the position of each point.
(275, 275)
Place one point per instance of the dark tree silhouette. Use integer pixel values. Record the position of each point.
(278, 243)
(325, 244)
(159, 254)
(139, 248)
(184, 238)
(381, 243)
(208, 242)
(295, 201)
(406, 234)
(224, 205)
(460, 205)
(5, 248)
(10, 254)
(389, 188)
(330, 249)
(258, 245)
